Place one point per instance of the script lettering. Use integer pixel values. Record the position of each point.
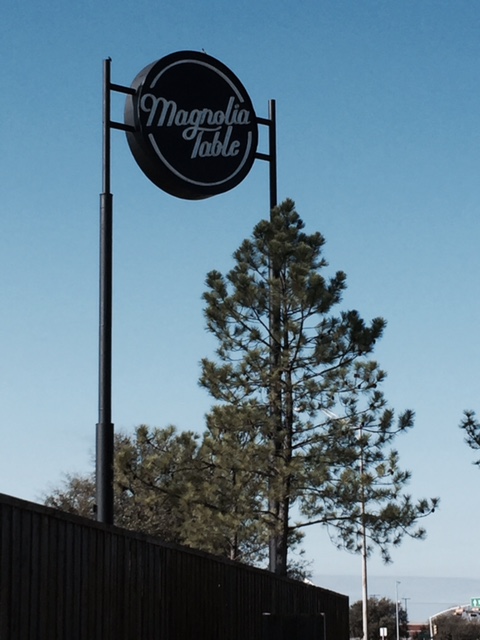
(201, 126)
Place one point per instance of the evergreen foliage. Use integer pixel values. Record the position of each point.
(155, 470)
(172, 485)
(300, 432)
(471, 427)
(294, 380)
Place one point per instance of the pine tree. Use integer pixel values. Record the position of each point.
(173, 485)
(294, 381)
(155, 470)
(227, 503)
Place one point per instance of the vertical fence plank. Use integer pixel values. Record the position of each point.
(6, 572)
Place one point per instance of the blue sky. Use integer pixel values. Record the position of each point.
(378, 108)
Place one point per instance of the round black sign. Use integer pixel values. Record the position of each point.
(194, 127)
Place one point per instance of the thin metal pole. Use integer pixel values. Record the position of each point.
(104, 432)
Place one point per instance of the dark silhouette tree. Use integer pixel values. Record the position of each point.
(382, 612)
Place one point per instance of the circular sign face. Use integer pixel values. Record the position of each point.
(194, 130)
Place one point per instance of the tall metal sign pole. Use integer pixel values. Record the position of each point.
(104, 433)
(104, 440)
(192, 129)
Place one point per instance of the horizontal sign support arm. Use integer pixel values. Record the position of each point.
(120, 89)
(122, 126)
(264, 121)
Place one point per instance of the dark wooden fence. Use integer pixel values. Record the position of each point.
(67, 578)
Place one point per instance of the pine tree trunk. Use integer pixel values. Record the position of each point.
(277, 553)
(282, 403)
(278, 547)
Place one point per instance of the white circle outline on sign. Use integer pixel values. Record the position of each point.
(162, 157)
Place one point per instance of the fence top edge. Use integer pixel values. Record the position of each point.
(56, 514)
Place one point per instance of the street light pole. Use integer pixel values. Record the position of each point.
(396, 610)
(364, 545)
